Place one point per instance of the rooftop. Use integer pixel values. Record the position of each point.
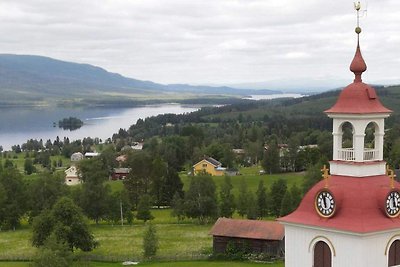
(253, 229)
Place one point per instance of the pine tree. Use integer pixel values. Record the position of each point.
(150, 242)
(28, 166)
(278, 190)
(262, 206)
(296, 196)
(251, 211)
(227, 199)
(313, 176)
(271, 160)
(243, 198)
(143, 209)
(286, 206)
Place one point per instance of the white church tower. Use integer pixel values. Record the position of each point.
(351, 219)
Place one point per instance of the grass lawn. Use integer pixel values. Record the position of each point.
(252, 178)
(183, 241)
(162, 264)
(175, 240)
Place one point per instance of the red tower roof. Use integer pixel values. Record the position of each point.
(358, 97)
(360, 205)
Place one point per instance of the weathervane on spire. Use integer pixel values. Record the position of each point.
(357, 7)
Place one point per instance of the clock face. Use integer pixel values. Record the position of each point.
(393, 204)
(325, 204)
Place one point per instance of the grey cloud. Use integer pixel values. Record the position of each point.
(206, 41)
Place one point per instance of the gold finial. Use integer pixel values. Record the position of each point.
(390, 173)
(325, 175)
(357, 7)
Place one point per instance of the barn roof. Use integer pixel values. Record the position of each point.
(253, 229)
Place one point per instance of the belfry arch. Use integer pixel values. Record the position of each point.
(371, 142)
(358, 140)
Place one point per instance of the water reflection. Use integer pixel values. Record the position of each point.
(19, 125)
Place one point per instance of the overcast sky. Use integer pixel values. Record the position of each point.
(210, 41)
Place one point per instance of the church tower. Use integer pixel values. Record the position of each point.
(351, 218)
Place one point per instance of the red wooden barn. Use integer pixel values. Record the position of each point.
(257, 236)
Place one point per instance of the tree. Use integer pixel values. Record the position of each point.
(28, 166)
(200, 199)
(286, 205)
(120, 208)
(8, 164)
(43, 192)
(13, 200)
(278, 190)
(53, 254)
(138, 180)
(262, 205)
(271, 158)
(251, 212)
(172, 185)
(143, 208)
(178, 207)
(296, 196)
(227, 199)
(66, 222)
(243, 198)
(158, 176)
(313, 176)
(95, 194)
(150, 241)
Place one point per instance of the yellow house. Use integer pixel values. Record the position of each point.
(210, 166)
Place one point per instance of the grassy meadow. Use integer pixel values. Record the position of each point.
(178, 240)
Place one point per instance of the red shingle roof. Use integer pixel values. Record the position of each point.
(358, 97)
(252, 229)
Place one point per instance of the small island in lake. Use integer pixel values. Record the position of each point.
(70, 123)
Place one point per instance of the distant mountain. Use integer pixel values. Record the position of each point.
(37, 78)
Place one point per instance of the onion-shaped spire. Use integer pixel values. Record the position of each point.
(358, 65)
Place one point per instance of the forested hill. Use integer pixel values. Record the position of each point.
(37, 78)
(282, 117)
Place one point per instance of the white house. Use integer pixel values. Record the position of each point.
(77, 156)
(71, 176)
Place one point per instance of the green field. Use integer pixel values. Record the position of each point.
(121, 243)
(184, 240)
(252, 177)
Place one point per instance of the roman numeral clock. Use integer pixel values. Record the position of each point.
(325, 203)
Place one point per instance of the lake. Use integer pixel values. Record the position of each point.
(17, 125)
(273, 96)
